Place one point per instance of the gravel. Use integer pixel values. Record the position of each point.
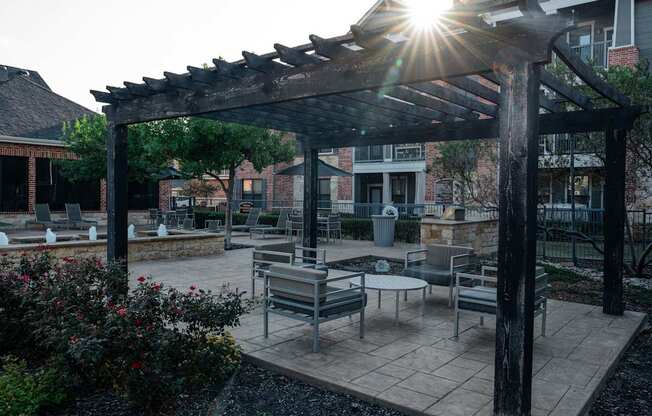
(367, 264)
(259, 392)
(629, 392)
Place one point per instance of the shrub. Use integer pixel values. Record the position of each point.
(151, 345)
(238, 219)
(24, 392)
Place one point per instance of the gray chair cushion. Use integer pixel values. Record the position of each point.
(278, 247)
(469, 297)
(434, 275)
(440, 255)
(301, 292)
(332, 305)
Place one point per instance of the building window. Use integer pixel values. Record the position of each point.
(582, 191)
(13, 184)
(326, 151)
(54, 189)
(369, 153)
(399, 189)
(143, 195)
(592, 42)
(324, 193)
(252, 190)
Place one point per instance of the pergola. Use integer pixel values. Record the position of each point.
(466, 79)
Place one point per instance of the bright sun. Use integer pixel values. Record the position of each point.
(424, 13)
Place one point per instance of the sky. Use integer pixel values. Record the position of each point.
(79, 45)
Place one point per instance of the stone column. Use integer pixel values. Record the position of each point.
(387, 189)
(420, 188)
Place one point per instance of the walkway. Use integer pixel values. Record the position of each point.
(416, 366)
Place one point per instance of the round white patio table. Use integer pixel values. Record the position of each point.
(391, 283)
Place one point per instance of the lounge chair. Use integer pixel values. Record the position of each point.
(306, 295)
(475, 296)
(278, 229)
(74, 214)
(263, 257)
(44, 217)
(251, 222)
(439, 265)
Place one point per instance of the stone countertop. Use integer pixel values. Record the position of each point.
(439, 221)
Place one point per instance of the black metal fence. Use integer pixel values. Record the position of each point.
(579, 237)
(563, 235)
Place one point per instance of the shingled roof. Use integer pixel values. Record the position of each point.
(29, 108)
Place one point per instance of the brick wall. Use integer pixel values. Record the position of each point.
(32, 152)
(164, 194)
(345, 184)
(624, 56)
(431, 178)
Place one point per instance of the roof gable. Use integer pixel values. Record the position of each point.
(29, 108)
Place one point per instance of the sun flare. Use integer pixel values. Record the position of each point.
(424, 13)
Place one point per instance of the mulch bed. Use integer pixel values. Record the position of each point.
(259, 392)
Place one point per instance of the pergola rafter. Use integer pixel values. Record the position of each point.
(467, 80)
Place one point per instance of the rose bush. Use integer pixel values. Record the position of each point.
(151, 344)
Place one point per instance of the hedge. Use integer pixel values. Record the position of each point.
(408, 231)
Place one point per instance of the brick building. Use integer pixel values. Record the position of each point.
(31, 121)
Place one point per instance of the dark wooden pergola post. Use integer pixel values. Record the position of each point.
(614, 221)
(519, 119)
(116, 208)
(310, 191)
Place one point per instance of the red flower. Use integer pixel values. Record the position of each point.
(24, 278)
(141, 279)
(136, 365)
(156, 287)
(73, 340)
(138, 322)
(69, 260)
(193, 287)
(122, 312)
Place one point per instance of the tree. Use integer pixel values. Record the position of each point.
(472, 164)
(198, 188)
(206, 147)
(86, 138)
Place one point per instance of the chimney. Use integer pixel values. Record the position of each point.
(4, 73)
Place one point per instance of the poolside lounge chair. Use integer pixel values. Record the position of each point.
(306, 295)
(475, 296)
(74, 214)
(44, 217)
(439, 265)
(251, 222)
(279, 229)
(288, 253)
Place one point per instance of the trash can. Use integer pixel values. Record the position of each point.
(384, 230)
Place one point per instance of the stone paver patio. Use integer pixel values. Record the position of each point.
(416, 366)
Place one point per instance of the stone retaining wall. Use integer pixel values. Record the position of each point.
(482, 235)
(140, 249)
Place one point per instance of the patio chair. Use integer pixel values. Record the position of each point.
(331, 226)
(252, 221)
(214, 226)
(75, 219)
(439, 265)
(152, 217)
(287, 253)
(294, 227)
(473, 295)
(44, 217)
(278, 229)
(306, 295)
